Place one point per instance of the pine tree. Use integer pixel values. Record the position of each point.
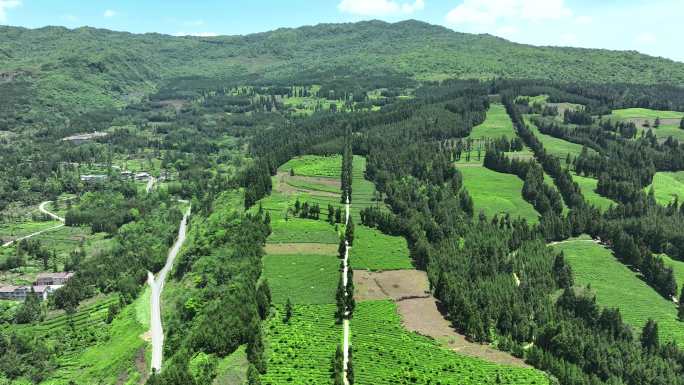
(338, 366)
(253, 376)
(255, 348)
(562, 272)
(350, 301)
(349, 232)
(649, 336)
(680, 309)
(288, 311)
(341, 248)
(341, 302)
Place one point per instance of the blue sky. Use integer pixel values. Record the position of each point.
(650, 26)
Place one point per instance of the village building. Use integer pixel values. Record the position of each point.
(47, 279)
(82, 138)
(45, 285)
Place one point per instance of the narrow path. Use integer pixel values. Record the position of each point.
(573, 240)
(150, 183)
(43, 210)
(345, 323)
(157, 285)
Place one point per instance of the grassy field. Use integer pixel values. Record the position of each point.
(112, 357)
(677, 268)
(299, 352)
(496, 125)
(304, 279)
(616, 286)
(314, 165)
(667, 186)
(588, 186)
(385, 353)
(556, 147)
(495, 193)
(645, 113)
(374, 250)
(232, 369)
(12, 230)
(297, 230)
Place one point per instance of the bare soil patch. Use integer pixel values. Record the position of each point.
(285, 188)
(420, 312)
(422, 316)
(301, 248)
(391, 284)
(141, 365)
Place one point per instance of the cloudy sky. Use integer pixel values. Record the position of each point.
(650, 26)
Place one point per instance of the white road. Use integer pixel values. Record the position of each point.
(46, 212)
(345, 323)
(157, 285)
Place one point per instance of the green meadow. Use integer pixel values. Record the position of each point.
(667, 186)
(386, 353)
(374, 250)
(495, 193)
(297, 230)
(314, 165)
(496, 125)
(645, 113)
(304, 279)
(557, 147)
(588, 187)
(616, 286)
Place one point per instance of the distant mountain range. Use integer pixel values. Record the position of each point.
(89, 67)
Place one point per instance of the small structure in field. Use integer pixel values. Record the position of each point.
(82, 138)
(45, 285)
(47, 279)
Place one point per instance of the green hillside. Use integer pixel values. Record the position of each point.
(55, 66)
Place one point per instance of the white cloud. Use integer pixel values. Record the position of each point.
(110, 13)
(198, 34)
(507, 31)
(491, 11)
(194, 23)
(646, 38)
(569, 39)
(584, 20)
(379, 7)
(71, 18)
(5, 5)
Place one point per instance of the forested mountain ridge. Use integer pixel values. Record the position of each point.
(88, 68)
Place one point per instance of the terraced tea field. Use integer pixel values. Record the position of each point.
(297, 230)
(616, 286)
(385, 353)
(304, 279)
(374, 250)
(667, 186)
(495, 193)
(299, 352)
(588, 187)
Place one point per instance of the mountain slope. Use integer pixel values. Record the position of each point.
(86, 67)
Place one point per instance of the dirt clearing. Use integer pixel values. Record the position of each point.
(285, 188)
(301, 248)
(391, 284)
(420, 312)
(422, 316)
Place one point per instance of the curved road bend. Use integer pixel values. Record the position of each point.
(46, 212)
(157, 285)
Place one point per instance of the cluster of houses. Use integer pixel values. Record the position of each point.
(138, 176)
(46, 284)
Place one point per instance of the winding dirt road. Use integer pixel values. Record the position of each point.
(46, 212)
(157, 286)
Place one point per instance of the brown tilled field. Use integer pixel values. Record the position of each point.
(301, 248)
(420, 312)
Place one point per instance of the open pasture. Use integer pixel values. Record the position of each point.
(496, 125)
(557, 147)
(588, 186)
(374, 250)
(495, 193)
(314, 166)
(304, 279)
(385, 353)
(616, 286)
(667, 186)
